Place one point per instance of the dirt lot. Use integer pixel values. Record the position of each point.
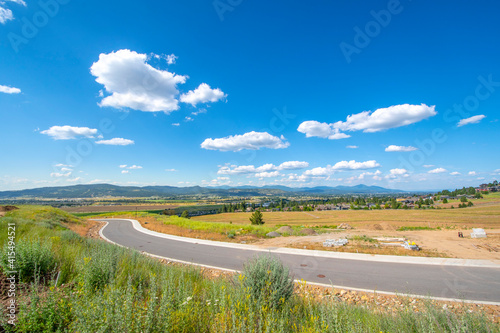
(442, 243)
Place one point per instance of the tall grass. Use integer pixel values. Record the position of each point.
(111, 289)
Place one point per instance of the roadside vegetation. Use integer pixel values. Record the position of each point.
(75, 284)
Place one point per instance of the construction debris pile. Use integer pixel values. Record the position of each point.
(335, 242)
(478, 233)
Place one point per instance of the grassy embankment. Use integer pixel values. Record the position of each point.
(91, 286)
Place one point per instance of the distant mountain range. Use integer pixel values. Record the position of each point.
(104, 190)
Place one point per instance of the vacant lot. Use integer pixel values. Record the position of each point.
(435, 230)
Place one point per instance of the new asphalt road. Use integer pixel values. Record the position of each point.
(444, 281)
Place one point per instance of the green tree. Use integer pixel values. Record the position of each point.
(257, 218)
(445, 201)
(463, 199)
(185, 214)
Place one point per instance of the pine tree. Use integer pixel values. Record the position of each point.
(257, 218)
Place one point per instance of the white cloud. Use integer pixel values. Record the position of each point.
(293, 165)
(202, 94)
(393, 148)
(73, 180)
(171, 59)
(251, 140)
(352, 147)
(312, 128)
(170, 170)
(69, 132)
(6, 14)
(116, 142)
(472, 173)
(99, 181)
(125, 171)
(343, 165)
(60, 174)
(200, 111)
(480, 178)
(455, 173)
(135, 84)
(471, 120)
(132, 167)
(438, 170)
(6, 89)
(398, 171)
(428, 165)
(353, 165)
(386, 118)
(267, 174)
(248, 169)
(176, 124)
(369, 122)
(319, 171)
(188, 119)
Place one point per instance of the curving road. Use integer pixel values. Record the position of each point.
(468, 283)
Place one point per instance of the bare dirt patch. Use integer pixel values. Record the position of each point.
(434, 243)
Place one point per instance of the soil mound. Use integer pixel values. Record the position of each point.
(7, 208)
(344, 226)
(308, 232)
(285, 230)
(273, 234)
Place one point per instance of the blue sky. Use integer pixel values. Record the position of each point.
(401, 94)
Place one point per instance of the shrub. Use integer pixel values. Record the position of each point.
(34, 258)
(256, 218)
(268, 280)
(99, 267)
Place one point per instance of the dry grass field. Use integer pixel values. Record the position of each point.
(434, 230)
(480, 215)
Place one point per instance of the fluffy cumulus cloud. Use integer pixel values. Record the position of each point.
(369, 122)
(437, 170)
(455, 173)
(5, 13)
(394, 148)
(341, 166)
(398, 171)
(133, 83)
(472, 173)
(293, 165)
(202, 94)
(115, 142)
(313, 128)
(251, 140)
(70, 132)
(6, 89)
(471, 120)
(266, 168)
